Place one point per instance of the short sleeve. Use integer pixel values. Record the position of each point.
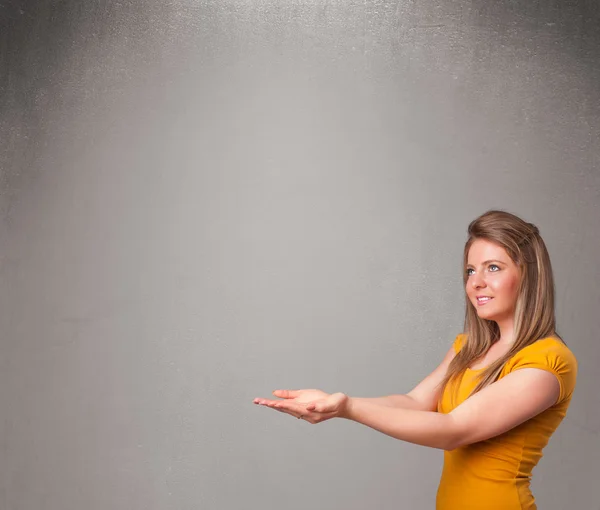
(458, 342)
(553, 356)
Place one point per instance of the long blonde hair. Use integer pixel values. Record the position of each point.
(534, 311)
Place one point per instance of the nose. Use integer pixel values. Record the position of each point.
(477, 281)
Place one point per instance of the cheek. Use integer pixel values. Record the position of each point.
(508, 286)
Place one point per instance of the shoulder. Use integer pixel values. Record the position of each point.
(551, 350)
(550, 354)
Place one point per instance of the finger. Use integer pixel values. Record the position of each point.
(293, 413)
(286, 393)
(290, 405)
(286, 411)
(267, 401)
(297, 412)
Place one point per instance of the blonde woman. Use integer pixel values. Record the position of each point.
(500, 392)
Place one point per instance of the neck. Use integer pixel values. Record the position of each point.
(507, 330)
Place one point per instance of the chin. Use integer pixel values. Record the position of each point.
(485, 314)
(491, 316)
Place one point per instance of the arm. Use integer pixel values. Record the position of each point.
(423, 397)
(497, 408)
(394, 401)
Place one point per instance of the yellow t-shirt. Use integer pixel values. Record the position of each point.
(495, 474)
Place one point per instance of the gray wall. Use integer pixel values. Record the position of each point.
(205, 201)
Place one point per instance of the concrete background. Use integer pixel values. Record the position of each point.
(203, 201)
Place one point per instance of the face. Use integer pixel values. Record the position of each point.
(492, 281)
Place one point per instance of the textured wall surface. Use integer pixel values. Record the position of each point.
(202, 201)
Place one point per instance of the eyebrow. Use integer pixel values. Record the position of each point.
(487, 262)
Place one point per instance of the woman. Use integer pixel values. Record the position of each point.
(501, 390)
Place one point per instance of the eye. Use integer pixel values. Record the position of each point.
(470, 271)
(494, 268)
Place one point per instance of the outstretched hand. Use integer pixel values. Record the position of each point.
(313, 406)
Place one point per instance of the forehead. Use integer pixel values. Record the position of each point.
(482, 250)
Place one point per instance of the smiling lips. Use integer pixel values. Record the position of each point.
(482, 300)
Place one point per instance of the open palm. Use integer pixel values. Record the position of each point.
(312, 405)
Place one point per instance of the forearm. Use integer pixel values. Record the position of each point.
(425, 428)
(397, 401)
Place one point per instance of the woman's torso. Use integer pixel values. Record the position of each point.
(495, 474)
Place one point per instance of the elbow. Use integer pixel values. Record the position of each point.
(452, 444)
